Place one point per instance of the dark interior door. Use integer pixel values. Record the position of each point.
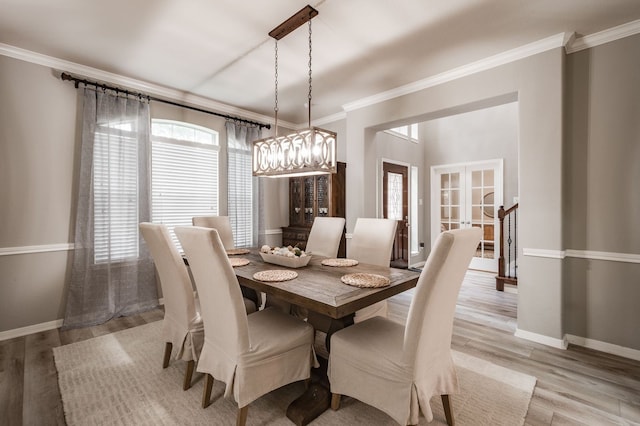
(395, 195)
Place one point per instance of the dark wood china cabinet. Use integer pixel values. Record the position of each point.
(311, 197)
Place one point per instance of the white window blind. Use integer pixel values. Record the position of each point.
(241, 196)
(115, 203)
(184, 173)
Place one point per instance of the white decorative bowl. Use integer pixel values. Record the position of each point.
(289, 262)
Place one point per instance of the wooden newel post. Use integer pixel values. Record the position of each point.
(499, 281)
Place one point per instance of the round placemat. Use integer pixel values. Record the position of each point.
(238, 261)
(339, 262)
(235, 251)
(275, 275)
(365, 280)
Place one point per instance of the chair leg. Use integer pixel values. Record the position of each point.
(206, 394)
(242, 415)
(335, 401)
(448, 410)
(188, 374)
(168, 346)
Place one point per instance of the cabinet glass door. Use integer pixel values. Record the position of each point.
(322, 195)
(309, 191)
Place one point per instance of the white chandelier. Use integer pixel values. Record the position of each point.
(309, 151)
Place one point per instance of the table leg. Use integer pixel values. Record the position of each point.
(317, 398)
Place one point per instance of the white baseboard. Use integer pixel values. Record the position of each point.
(36, 328)
(541, 338)
(609, 348)
(563, 343)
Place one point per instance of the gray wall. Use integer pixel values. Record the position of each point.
(602, 196)
(37, 163)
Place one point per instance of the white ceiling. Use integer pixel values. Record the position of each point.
(220, 50)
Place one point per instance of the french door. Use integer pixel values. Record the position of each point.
(468, 195)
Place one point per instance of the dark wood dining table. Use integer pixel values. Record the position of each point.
(318, 288)
(330, 304)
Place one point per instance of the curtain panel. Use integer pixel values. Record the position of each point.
(112, 274)
(244, 191)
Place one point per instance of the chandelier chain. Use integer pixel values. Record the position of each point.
(275, 109)
(309, 100)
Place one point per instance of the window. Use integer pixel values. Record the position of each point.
(184, 173)
(240, 194)
(115, 198)
(409, 132)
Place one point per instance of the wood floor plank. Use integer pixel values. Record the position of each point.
(11, 380)
(41, 393)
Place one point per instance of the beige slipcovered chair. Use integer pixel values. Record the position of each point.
(324, 240)
(398, 368)
(252, 354)
(371, 243)
(182, 326)
(324, 237)
(221, 223)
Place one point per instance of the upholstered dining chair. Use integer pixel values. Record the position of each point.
(325, 235)
(221, 223)
(324, 240)
(252, 354)
(398, 368)
(372, 242)
(182, 326)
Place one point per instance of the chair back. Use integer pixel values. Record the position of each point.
(221, 223)
(325, 235)
(430, 319)
(221, 303)
(372, 241)
(177, 290)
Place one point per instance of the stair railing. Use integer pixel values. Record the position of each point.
(508, 260)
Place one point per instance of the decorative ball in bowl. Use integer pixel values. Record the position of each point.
(291, 257)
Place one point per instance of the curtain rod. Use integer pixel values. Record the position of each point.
(77, 81)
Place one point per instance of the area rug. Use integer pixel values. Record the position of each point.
(118, 379)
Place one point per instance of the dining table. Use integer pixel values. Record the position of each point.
(330, 303)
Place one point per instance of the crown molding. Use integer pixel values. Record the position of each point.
(605, 36)
(328, 119)
(503, 58)
(134, 84)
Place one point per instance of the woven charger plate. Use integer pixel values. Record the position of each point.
(275, 275)
(365, 280)
(234, 251)
(238, 261)
(339, 262)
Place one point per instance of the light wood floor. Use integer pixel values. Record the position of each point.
(575, 387)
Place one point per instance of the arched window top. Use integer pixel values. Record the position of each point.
(187, 132)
